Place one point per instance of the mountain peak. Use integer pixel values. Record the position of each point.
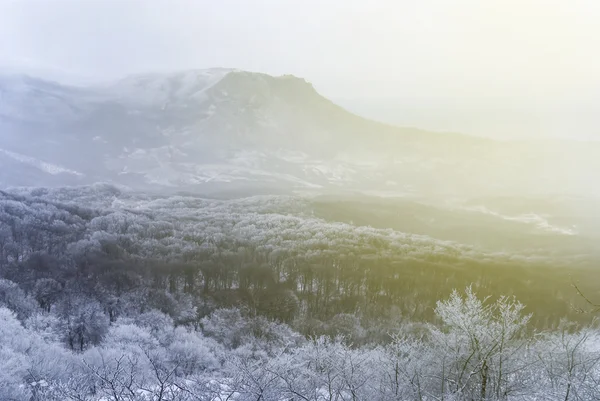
(202, 128)
(190, 87)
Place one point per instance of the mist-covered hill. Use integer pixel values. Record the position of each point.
(334, 280)
(221, 129)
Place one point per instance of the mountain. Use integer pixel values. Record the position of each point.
(208, 130)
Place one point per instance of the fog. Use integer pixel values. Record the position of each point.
(193, 206)
(452, 62)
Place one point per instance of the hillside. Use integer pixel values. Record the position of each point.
(210, 130)
(220, 234)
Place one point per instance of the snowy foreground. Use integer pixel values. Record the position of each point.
(481, 350)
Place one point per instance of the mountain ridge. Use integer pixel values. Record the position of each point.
(197, 128)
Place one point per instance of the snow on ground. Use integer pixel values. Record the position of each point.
(173, 174)
(335, 173)
(159, 89)
(46, 167)
(248, 158)
(536, 220)
(407, 191)
(211, 110)
(291, 156)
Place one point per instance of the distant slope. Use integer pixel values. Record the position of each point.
(198, 129)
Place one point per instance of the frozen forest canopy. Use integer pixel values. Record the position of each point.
(111, 294)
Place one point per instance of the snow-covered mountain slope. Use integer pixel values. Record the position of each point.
(162, 91)
(27, 99)
(200, 128)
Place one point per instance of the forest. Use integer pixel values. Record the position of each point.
(109, 294)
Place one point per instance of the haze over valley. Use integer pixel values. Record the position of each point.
(375, 202)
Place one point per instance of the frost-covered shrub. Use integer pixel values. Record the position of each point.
(83, 323)
(45, 325)
(15, 299)
(192, 352)
(232, 329)
(158, 324)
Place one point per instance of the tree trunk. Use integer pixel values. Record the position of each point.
(484, 379)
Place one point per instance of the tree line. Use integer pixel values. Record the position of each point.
(267, 254)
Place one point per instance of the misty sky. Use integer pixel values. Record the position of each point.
(441, 64)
